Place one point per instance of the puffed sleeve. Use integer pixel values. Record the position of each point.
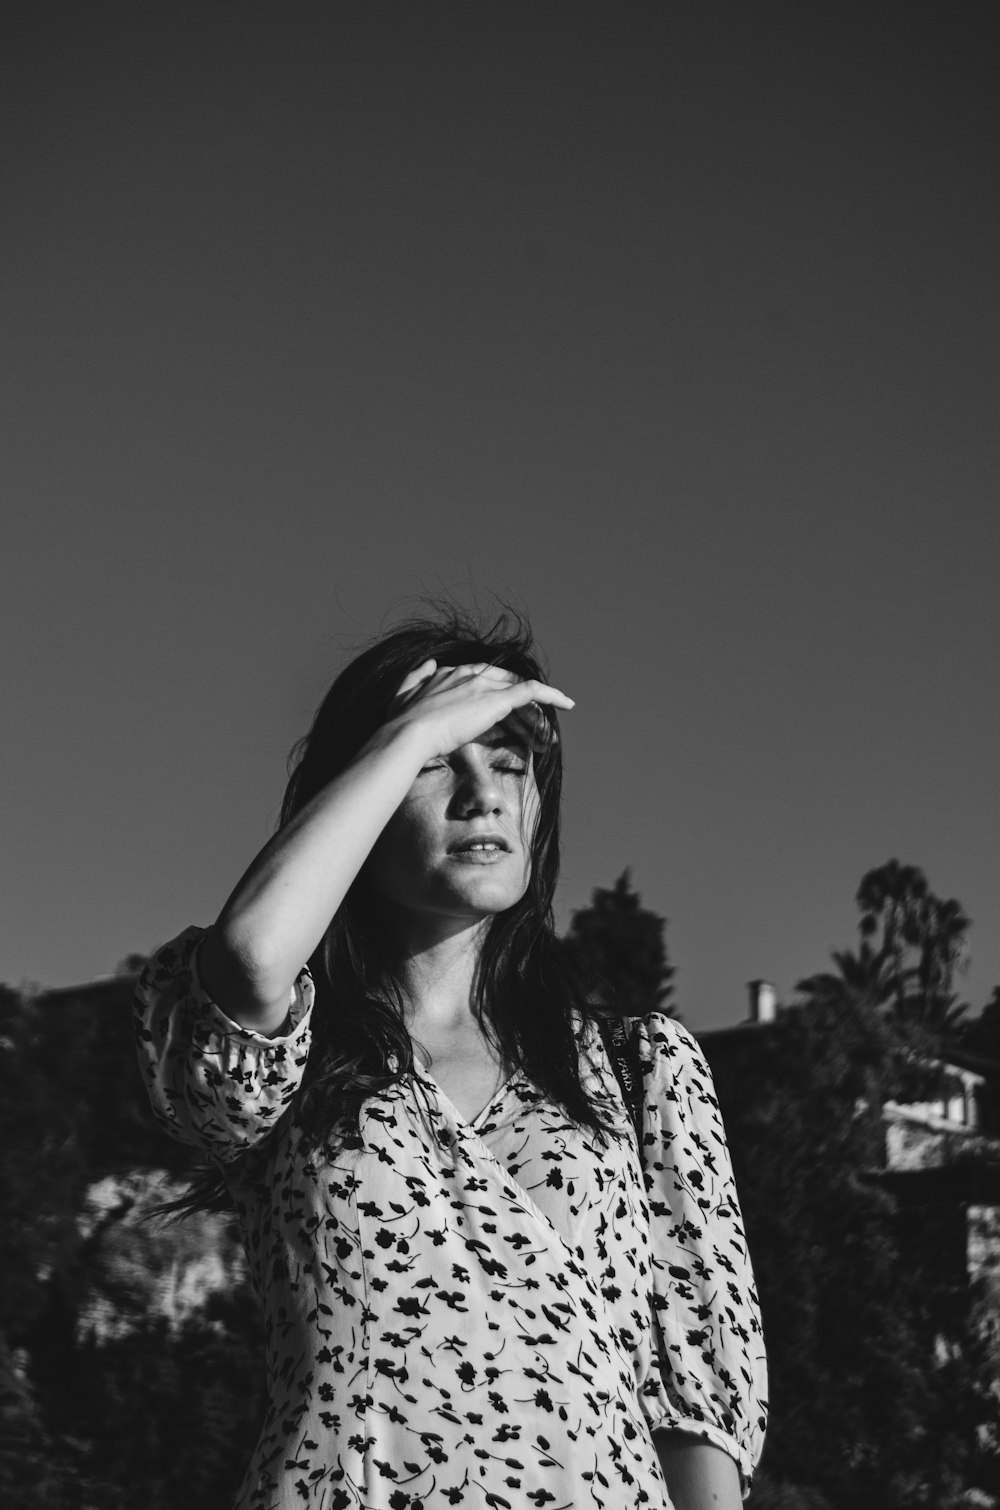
(708, 1374)
(213, 1083)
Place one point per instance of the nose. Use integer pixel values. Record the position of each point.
(479, 791)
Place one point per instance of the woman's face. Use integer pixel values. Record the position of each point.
(458, 847)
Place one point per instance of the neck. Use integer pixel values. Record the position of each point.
(438, 968)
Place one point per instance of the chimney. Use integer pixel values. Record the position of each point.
(763, 1001)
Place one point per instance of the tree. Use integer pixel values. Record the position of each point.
(43, 1166)
(913, 944)
(854, 1306)
(166, 1417)
(889, 1007)
(982, 1034)
(621, 945)
(144, 1408)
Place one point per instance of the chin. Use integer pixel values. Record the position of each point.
(488, 898)
(491, 905)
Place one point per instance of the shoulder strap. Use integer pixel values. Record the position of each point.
(620, 1036)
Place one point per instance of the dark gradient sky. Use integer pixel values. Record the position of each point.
(677, 325)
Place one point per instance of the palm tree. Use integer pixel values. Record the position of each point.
(866, 977)
(913, 944)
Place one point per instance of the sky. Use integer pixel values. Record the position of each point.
(676, 326)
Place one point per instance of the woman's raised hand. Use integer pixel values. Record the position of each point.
(283, 904)
(454, 705)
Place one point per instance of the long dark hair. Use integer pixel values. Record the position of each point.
(526, 986)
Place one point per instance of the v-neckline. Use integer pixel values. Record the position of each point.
(470, 1122)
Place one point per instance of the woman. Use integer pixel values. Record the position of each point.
(473, 1292)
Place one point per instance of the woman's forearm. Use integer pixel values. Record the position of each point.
(698, 1476)
(283, 904)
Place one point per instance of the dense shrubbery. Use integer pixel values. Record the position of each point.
(141, 1412)
(876, 1390)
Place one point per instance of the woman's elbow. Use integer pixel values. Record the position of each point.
(243, 979)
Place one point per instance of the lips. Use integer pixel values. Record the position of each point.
(489, 844)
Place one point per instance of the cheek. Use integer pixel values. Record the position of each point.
(398, 852)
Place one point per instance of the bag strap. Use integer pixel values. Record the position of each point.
(620, 1037)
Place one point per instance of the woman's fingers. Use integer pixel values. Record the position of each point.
(493, 675)
(452, 675)
(459, 703)
(419, 674)
(539, 692)
(415, 685)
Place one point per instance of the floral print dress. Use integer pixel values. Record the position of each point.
(495, 1313)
